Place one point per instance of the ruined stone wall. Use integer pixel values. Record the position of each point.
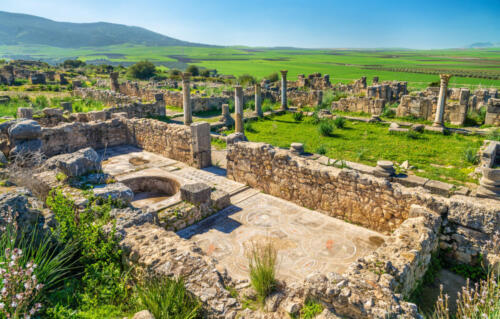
(314, 81)
(106, 96)
(493, 112)
(360, 104)
(424, 107)
(390, 91)
(363, 199)
(188, 144)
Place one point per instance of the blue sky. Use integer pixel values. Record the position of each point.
(312, 24)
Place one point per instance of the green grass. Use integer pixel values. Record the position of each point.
(435, 156)
(414, 66)
(262, 261)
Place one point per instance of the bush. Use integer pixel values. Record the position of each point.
(471, 156)
(193, 69)
(339, 122)
(321, 150)
(246, 79)
(263, 264)
(412, 135)
(73, 64)
(388, 112)
(169, 298)
(476, 117)
(273, 77)
(205, 73)
(325, 128)
(267, 105)
(143, 70)
(41, 102)
(298, 116)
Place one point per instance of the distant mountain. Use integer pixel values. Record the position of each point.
(18, 29)
(483, 45)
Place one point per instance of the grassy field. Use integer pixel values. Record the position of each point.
(434, 156)
(416, 67)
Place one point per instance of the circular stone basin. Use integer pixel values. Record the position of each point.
(150, 190)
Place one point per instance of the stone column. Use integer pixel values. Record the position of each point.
(186, 98)
(445, 78)
(284, 102)
(258, 100)
(238, 109)
(113, 81)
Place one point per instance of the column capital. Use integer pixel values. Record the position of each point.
(186, 76)
(284, 72)
(445, 78)
(238, 87)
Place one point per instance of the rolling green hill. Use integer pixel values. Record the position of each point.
(23, 29)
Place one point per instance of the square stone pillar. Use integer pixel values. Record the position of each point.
(284, 101)
(238, 109)
(201, 144)
(186, 99)
(258, 100)
(113, 81)
(438, 121)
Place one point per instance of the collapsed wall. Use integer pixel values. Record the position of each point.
(360, 104)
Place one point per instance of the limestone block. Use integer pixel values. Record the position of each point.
(297, 148)
(201, 137)
(115, 191)
(197, 193)
(78, 163)
(438, 187)
(26, 146)
(25, 113)
(25, 130)
(220, 199)
(50, 111)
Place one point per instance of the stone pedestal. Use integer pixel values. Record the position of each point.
(226, 116)
(284, 101)
(238, 109)
(438, 121)
(186, 99)
(258, 100)
(25, 113)
(489, 185)
(384, 169)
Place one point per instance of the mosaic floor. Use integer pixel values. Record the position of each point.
(307, 241)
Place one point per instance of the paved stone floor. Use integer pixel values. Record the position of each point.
(307, 241)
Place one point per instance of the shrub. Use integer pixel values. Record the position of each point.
(267, 105)
(298, 116)
(263, 263)
(169, 298)
(205, 73)
(142, 70)
(73, 64)
(250, 105)
(339, 122)
(315, 119)
(412, 135)
(325, 128)
(321, 150)
(476, 117)
(193, 69)
(273, 77)
(41, 102)
(388, 112)
(471, 156)
(246, 79)
(311, 309)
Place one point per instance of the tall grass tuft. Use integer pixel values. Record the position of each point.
(168, 298)
(325, 128)
(339, 122)
(262, 260)
(298, 116)
(471, 156)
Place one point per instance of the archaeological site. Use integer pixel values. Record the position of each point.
(161, 179)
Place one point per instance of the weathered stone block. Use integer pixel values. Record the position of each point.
(115, 191)
(197, 193)
(78, 163)
(25, 130)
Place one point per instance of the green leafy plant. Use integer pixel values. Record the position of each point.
(249, 127)
(262, 259)
(311, 309)
(169, 298)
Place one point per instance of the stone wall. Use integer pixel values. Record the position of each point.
(360, 104)
(106, 96)
(390, 91)
(424, 107)
(188, 144)
(314, 81)
(493, 112)
(366, 200)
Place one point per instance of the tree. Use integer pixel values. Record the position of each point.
(142, 70)
(73, 64)
(246, 79)
(193, 69)
(205, 73)
(273, 77)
